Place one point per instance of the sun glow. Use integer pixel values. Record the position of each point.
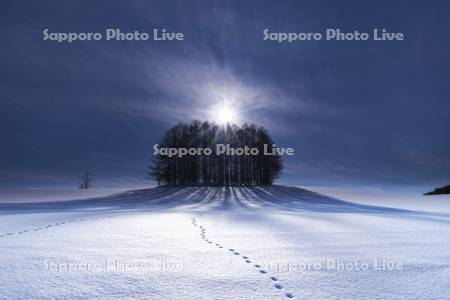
(226, 103)
(225, 114)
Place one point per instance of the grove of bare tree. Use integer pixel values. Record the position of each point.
(216, 169)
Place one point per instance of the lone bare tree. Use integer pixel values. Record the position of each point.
(86, 181)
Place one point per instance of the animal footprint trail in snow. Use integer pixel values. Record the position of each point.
(246, 259)
(55, 225)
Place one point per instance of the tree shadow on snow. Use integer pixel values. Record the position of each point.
(202, 198)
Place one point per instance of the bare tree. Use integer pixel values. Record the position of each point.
(86, 181)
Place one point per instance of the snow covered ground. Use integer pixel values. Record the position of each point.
(221, 243)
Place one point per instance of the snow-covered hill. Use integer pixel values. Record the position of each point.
(202, 198)
(221, 243)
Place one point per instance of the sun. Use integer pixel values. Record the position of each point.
(226, 114)
(225, 107)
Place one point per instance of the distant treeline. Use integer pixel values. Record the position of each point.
(440, 191)
(216, 169)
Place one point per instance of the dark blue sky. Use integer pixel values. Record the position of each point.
(358, 113)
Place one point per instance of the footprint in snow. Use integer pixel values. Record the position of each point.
(289, 295)
(274, 278)
(258, 266)
(262, 272)
(278, 286)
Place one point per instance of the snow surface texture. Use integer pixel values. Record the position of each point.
(221, 243)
